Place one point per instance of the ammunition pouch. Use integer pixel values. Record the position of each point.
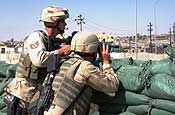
(30, 69)
(27, 69)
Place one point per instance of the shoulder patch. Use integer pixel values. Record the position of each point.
(35, 45)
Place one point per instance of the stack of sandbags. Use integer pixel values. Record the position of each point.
(7, 73)
(145, 89)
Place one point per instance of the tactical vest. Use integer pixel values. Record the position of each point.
(25, 67)
(66, 88)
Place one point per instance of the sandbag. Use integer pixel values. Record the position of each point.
(129, 78)
(163, 105)
(133, 78)
(163, 67)
(117, 63)
(11, 70)
(7, 70)
(126, 113)
(3, 68)
(130, 98)
(3, 84)
(118, 103)
(147, 110)
(155, 111)
(161, 86)
(170, 51)
(2, 104)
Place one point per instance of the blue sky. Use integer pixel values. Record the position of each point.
(20, 17)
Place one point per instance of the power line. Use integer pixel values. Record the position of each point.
(106, 27)
(91, 27)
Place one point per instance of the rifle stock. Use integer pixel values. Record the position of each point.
(46, 96)
(47, 93)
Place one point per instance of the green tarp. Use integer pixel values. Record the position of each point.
(161, 86)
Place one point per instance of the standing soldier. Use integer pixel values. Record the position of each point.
(77, 76)
(38, 49)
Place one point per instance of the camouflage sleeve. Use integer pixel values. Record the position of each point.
(105, 81)
(37, 50)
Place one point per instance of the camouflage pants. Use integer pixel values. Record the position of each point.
(23, 88)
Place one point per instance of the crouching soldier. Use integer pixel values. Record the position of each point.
(77, 76)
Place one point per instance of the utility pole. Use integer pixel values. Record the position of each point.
(174, 31)
(150, 36)
(170, 36)
(130, 39)
(136, 47)
(155, 27)
(80, 21)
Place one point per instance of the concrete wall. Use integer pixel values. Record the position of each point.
(10, 58)
(13, 58)
(140, 56)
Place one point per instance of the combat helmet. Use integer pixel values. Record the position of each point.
(53, 13)
(85, 42)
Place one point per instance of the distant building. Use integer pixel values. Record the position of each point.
(10, 54)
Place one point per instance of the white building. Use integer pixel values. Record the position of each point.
(10, 54)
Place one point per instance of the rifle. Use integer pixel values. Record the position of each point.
(47, 93)
(57, 41)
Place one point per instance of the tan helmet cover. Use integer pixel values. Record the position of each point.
(53, 13)
(85, 42)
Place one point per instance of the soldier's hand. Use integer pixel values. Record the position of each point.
(64, 50)
(104, 53)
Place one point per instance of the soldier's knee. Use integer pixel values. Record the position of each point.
(22, 88)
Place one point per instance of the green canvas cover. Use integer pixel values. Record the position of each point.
(161, 87)
(163, 105)
(170, 51)
(127, 113)
(147, 110)
(163, 67)
(7, 73)
(133, 78)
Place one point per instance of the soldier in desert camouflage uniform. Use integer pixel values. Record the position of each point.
(38, 49)
(78, 75)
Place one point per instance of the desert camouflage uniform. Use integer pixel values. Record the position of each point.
(69, 82)
(31, 68)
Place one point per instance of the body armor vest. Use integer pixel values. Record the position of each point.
(66, 88)
(25, 67)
